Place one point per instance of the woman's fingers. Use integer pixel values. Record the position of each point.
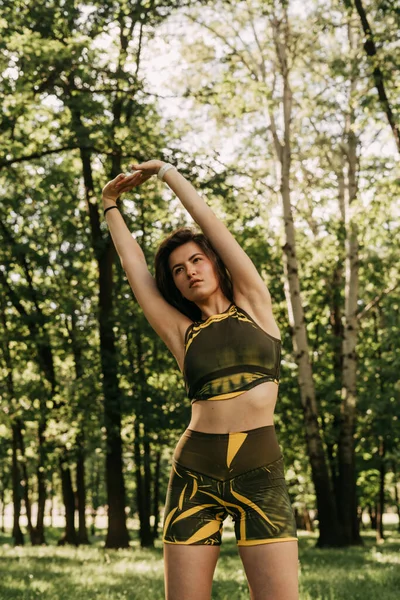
(149, 167)
(128, 178)
(129, 183)
(125, 183)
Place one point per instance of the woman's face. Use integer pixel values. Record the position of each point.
(189, 263)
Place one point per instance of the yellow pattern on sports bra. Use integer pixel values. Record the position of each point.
(228, 354)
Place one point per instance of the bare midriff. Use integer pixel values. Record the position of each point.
(252, 409)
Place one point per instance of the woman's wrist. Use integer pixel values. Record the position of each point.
(162, 163)
(108, 202)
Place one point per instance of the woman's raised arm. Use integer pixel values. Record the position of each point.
(245, 277)
(167, 321)
(125, 245)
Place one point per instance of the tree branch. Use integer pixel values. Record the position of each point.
(376, 300)
(11, 161)
(370, 49)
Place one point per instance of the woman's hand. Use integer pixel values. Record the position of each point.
(122, 183)
(149, 168)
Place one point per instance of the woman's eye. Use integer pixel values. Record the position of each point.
(179, 268)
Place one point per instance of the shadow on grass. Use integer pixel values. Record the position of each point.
(92, 572)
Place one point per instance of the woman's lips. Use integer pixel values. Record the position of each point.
(195, 283)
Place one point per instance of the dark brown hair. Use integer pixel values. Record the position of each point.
(164, 278)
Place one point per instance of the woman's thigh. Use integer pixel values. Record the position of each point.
(189, 570)
(271, 570)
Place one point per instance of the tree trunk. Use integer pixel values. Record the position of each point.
(329, 530)
(25, 484)
(381, 499)
(140, 500)
(16, 485)
(52, 496)
(360, 518)
(69, 503)
(81, 492)
(80, 438)
(37, 537)
(143, 483)
(3, 484)
(156, 494)
(303, 520)
(95, 493)
(117, 532)
(35, 323)
(338, 332)
(372, 511)
(15, 423)
(148, 540)
(346, 452)
(396, 494)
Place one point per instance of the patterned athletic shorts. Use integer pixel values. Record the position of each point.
(239, 474)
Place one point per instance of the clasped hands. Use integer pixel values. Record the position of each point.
(124, 183)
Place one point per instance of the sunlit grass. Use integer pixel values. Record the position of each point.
(369, 572)
(94, 573)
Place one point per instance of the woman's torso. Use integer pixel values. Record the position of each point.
(254, 408)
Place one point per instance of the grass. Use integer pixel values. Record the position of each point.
(93, 573)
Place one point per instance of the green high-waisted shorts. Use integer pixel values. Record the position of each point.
(215, 475)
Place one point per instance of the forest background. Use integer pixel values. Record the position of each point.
(284, 117)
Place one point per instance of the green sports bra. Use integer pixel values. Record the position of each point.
(228, 354)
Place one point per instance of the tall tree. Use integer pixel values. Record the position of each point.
(346, 452)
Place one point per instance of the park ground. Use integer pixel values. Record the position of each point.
(50, 572)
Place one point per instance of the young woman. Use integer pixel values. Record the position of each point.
(210, 306)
